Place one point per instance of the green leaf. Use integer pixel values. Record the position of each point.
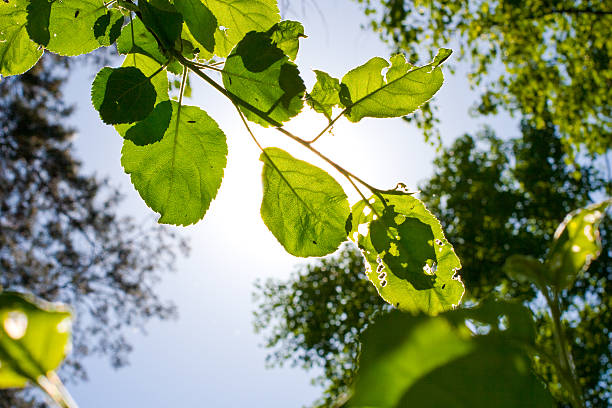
(436, 362)
(238, 17)
(201, 22)
(34, 338)
(122, 95)
(410, 261)
(65, 27)
(135, 38)
(17, 52)
(576, 243)
(261, 74)
(528, 269)
(163, 19)
(152, 128)
(286, 36)
(179, 176)
(108, 27)
(325, 94)
(303, 206)
(405, 89)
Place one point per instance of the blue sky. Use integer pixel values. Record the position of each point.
(210, 357)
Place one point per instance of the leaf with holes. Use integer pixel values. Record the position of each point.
(325, 94)
(410, 261)
(238, 17)
(34, 338)
(180, 175)
(65, 27)
(122, 95)
(435, 362)
(260, 73)
(303, 206)
(576, 243)
(201, 22)
(367, 94)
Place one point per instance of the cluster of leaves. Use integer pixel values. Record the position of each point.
(535, 57)
(176, 154)
(524, 190)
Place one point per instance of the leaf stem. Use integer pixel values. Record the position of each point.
(53, 386)
(565, 359)
(329, 125)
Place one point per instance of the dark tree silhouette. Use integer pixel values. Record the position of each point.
(61, 235)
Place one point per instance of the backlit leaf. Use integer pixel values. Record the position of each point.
(180, 175)
(122, 95)
(152, 128)
(163, 19)
(576, 244)
(238, 17)
(410, 261)
(65, 27)
(286, 36)
(201, 22)
(435, 362)
(405, 88)
(108, 27)
(325, 94)
(261, 74)
(135, 38)
(34, 338)
(303, 206)
(17, 52)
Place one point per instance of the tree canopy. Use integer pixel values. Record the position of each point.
(549, 61)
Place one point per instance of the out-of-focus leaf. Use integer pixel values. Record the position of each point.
(34, 338)
(437, 361)
(576, 244)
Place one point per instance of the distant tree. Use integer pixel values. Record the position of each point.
(494, 199)
(545, 59)
(61, 235)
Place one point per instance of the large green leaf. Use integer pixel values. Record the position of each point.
(122, 95)
(437, 362)
(238, 17)
(34, 338)
(325, 94)
(163, 19)
(405, 89)
(576, 244)
(152, 128)
(65, 27)
(410, 261)
(201, 22)
(180, 175)
(303, 206)
(17, 52)
(261, 74)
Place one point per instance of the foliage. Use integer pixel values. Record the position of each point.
(523, 190)
(547, 60)
(61, 233)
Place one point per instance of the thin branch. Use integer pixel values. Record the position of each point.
(329, 125)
